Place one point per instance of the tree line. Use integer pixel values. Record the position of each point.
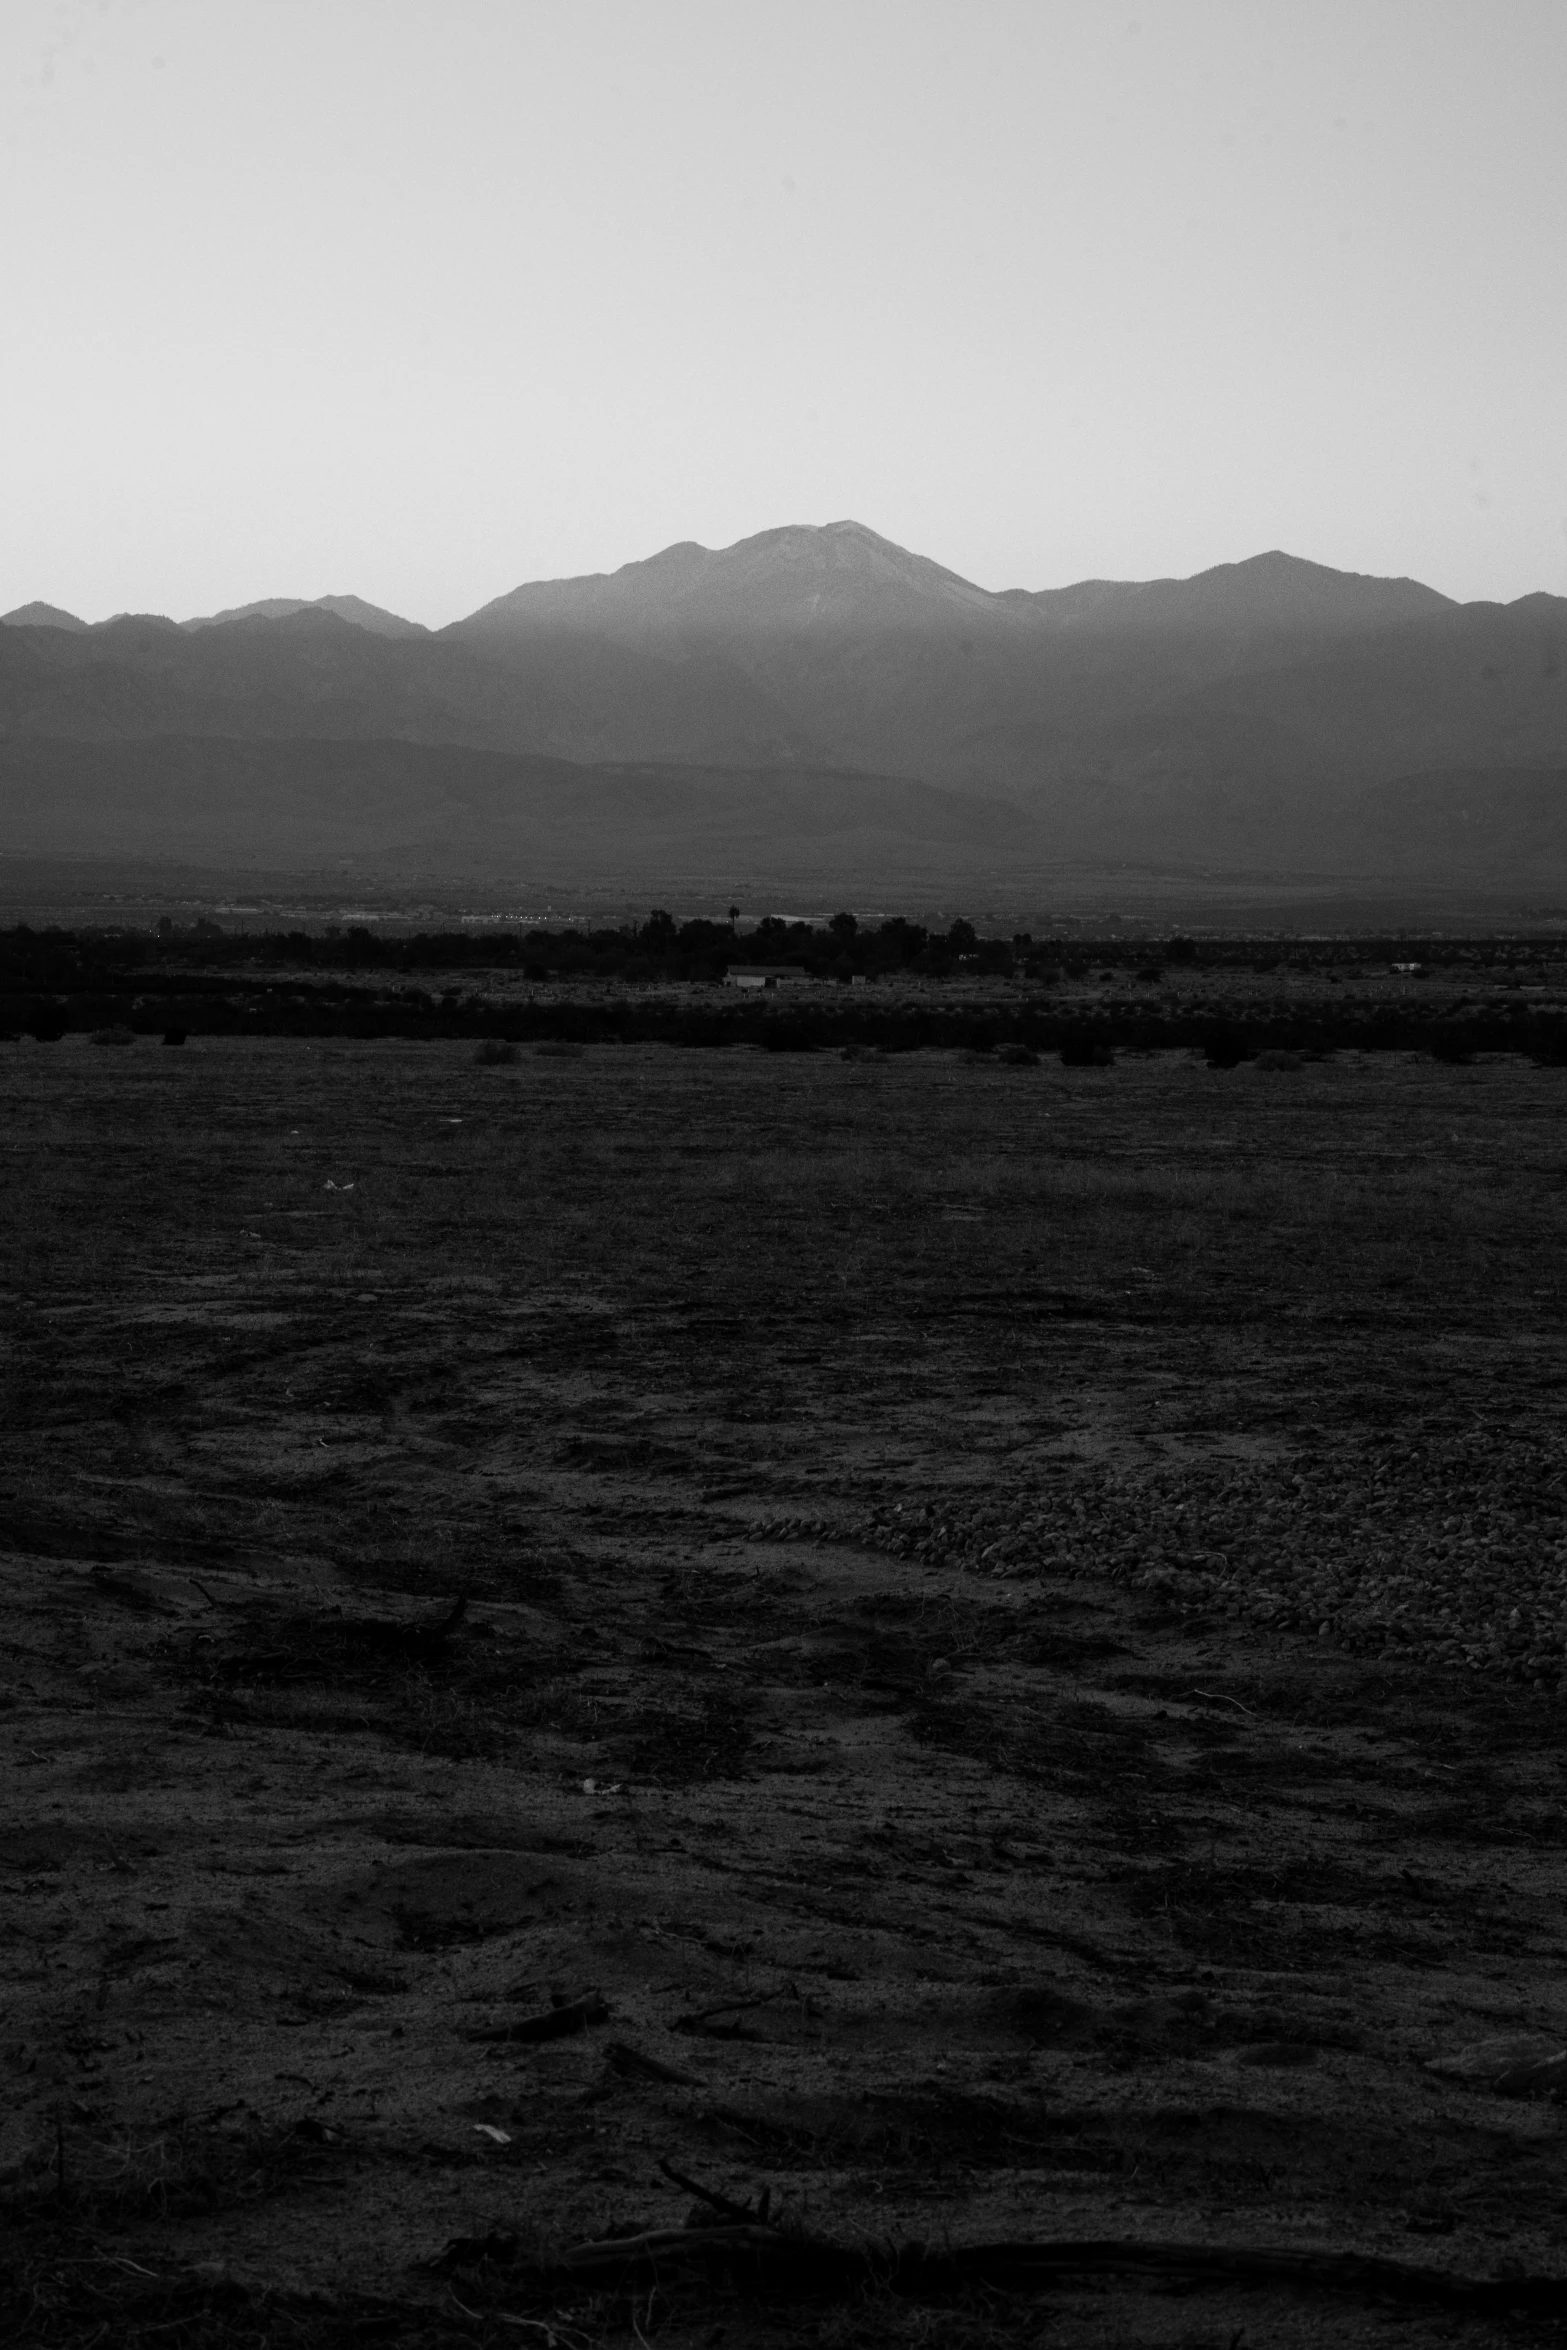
(661, 948)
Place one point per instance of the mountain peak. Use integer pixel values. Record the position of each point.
(41, 616)
(1295, 578)
(1257, 594)
(353, 609)
(801, 576)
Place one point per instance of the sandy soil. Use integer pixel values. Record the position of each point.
(941, 1899)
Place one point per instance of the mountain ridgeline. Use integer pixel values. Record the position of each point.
(812, 704)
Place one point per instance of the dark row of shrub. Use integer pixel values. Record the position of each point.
(662, 948)
(1079, 1040)
(659, 948)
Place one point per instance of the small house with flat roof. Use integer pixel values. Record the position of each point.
(766, 975)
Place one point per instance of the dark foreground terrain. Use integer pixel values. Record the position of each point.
(1011, 1685)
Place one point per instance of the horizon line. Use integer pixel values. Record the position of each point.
(222, 614)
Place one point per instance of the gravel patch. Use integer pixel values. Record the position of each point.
(1450, 1550)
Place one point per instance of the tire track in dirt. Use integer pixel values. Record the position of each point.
(951, 1900)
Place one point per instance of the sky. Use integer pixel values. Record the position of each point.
(418, 299)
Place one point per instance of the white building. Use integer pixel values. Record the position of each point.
(766, 975)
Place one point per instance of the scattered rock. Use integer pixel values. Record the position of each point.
(1452, 1551)
(1516, 2065)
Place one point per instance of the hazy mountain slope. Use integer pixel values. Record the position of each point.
(1475, 686)
(402, 810)
(40, 616)
(843, 578)
(838, 577)
(816, 646)
(1238, 716)
(1482, 821)
(1479, 684)
(818, 635)
(1265, 594)
(623, 701)
(309, 673)
(408, 808)
(874, 656)
(351, 608)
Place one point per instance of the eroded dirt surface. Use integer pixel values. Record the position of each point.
(942, 1898)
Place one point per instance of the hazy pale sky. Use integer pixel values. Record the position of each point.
(417, 299)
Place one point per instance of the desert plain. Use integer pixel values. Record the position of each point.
(1008, 1678)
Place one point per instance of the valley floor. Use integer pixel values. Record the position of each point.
(887, 1497)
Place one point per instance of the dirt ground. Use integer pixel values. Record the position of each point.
(940, 1897)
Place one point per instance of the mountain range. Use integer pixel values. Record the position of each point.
(810, 702)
